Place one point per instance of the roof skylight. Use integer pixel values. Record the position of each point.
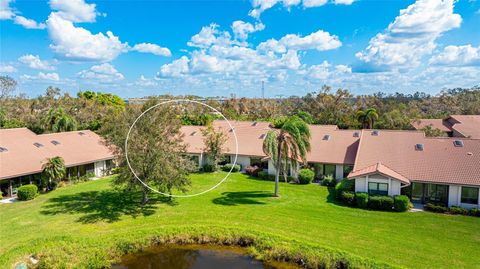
(81, 133)
(55, 142)
(326, 137)
(458, 143)
(2, 149)
(356, 134)
(193, 133)
(38, 145)
(375, 132)
(262, 136)
(254, 123)
(419, 147)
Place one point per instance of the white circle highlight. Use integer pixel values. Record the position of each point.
(181, 101)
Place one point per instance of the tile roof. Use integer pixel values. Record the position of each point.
(339, 149)
(23, 157)
(378, 168)
(439, 162)
(434, 123)
(467, 125)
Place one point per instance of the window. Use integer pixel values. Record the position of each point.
(469, 195)
(347, 169)
(375, 188)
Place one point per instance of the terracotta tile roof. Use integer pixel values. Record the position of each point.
(378, 168)
(439, 162)
(434, 123)
(23, 157)
(339, 149)
(467, 125)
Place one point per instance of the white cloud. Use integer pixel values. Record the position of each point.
(152, 48)
(410, 36)
(47, 77)
(242, 29)
(209, 35)
(77, 43)
(343, 2)
(457, 56)
(142, 81)
(259, 6)
(74, 10)
(6, 12)
(28, 23)
(319, 40)
(7, 69)
(177, 68)
(34, 62)
(104, 73)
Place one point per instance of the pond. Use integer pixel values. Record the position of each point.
(196, 257)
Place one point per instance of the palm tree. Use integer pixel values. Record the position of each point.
(367, 117)
(286, 144)
(54, 169)
(58, 121)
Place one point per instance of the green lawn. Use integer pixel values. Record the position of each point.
(84, 224)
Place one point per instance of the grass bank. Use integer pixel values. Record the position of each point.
(90, 224)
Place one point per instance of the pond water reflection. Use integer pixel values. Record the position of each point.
(195, 257)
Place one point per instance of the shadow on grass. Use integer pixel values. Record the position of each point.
(97, 206)
(242, 197)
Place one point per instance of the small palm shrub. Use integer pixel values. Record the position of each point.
(401, 203)
(27, 192)
(305, 176)
(381, 203)
(329, 181)
(361, 199)
(348, 198)
(235, 168)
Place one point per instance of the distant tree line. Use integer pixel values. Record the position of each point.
(55, 111)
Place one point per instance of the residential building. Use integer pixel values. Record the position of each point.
(467, 126)
(23, 153)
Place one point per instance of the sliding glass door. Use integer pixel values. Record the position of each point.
(426, 192)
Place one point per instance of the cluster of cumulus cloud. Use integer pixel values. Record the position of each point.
(221, 55)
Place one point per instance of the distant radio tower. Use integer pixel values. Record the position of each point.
(263, 89)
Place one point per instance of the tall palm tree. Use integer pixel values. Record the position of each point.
(367, 117)
(54, 169)
(286, 144)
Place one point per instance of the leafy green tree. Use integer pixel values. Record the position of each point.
(58, 121)
(287, 144)
(53, 171)
(367, 117)
(214, 141)
(433, 132)
(155, 149)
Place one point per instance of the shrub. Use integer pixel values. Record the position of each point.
(52, 185)
(435, 208)
(348, 198)
(263, 175)
(90, 175)
(474, 212)
(380, 203)
(235, 168)
(401, 203)
(344, 185)
(27, 192)
(329, 182)
(456, 210)
(208, 168)
(253, 170)
(361, 199)
(305, 176)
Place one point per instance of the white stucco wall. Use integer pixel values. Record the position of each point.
(99, 168)
(339, 172)
(243, 161)
(455, 195)
(394, 186)
(271, 168)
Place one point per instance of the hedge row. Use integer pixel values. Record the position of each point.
(229, 166)
(399, 203)
(454, 210)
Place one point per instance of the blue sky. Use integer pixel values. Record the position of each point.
(219, 48)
